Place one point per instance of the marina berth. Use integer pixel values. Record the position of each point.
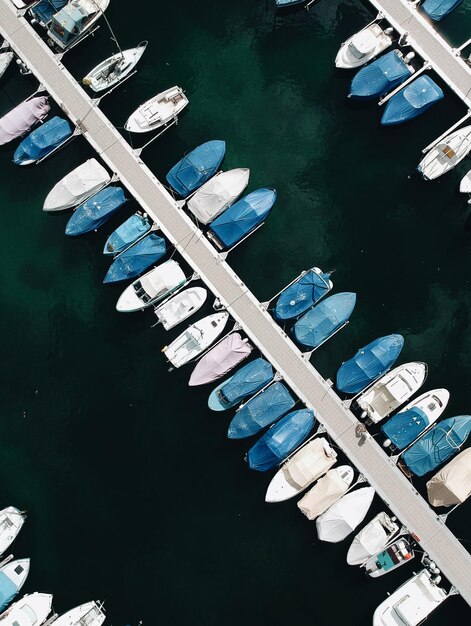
(158, 111)
(326, 492)
(22, 118)
(325, 319)
(88, 614)
(136, 259)
(364, 46)
(345, 515)
(302, 294)
(74, 20)
(43, 141)
(220, 360)
(128, 233)
(12, 578)
(381, 76)
(194, 169)
(412, 101)
(438, 9)
(114, 69)
(11, 521)
(6, 57)
(445, 154)
(398, 553)
(95, 211)
(245, 382)
(452, 484)
(31, 610)
(45, 9)
(375, 536)
(180, 307)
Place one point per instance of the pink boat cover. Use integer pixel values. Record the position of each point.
(19, 120)
(221, 359)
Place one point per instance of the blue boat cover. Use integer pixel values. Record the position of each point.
(280, 440)
(196, 167)
(369, 363)
(242, 217)
(381, 76)
(41, 141)
(125, 235)
(438, 444)
(323, 320)
(438, 9)
(405, 426)
(8, 590)
(246, 381)
(46, 9)
(412, 101)
(95, 211)
(136, 259)
(264, 409)
(302, 295)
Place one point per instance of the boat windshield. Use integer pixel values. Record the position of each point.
(141, 293)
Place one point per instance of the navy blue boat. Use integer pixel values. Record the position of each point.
(438, 9)
(95, 211)
(125, 235)
(42, 141)
(196, 167)
(302, 294)
(245, 382)
(44, 11)
(136, 259)
(412, 101)
(280, 440)
(381, 76)
(404, 427)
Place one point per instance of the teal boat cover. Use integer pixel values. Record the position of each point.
(136, 259)
(405, 427)
(196, 167)
(246, 381)
(412, 101)
(318, 324)
(44, 11)
(302, 295)
(438, 9)
(95, 211)
(43, 140)
(379, 77)
(125, 235)
(8, 590)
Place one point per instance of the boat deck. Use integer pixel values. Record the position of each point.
(370, 459)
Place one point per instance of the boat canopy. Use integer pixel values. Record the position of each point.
(40, 142)
(261, 411)
(452, 484)
(130, 231)
(77, 185)
(437, 445)
(44, 11)
(345, 515)
(221, 359)
(308, 464)
(217, 194)
(196, 167)
(381, 76)
(242, 217)
(280, 440)
(438, 9)
(323, 495)
(323, 320)
(68, 23)
(302, 294)
(371, 539)
(136, 259)
(162, 279)
(8, 590)
(245, 382)
(95, 211)
(20, 120)
(403, 428)
(411, 101)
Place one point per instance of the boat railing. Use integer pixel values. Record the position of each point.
(138, 151)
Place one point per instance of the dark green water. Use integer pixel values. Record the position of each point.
(135, 496)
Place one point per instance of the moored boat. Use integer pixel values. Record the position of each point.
(411, 101)
(71, 23)
(196, 167)
(324, 320)
(114, 69)
(375, 536)
(217, 194)
(43, 141)
(43, 11)
(465, 183)
(95, 211)
(248, 380)
(158, 111)
(6, 57)
(326, 491)
(77, 186)
(12, 578)
(302, 294)
(381, 76)
(452, 484)
(438, 9)
(181, 306)
(444, 155)
(364, 46)
(136, 259)
(398, 553)
(23, 117)
(31, 610)
(88, 614)
(345, 515)
(221, 359)
(11, 521)
(128, 233)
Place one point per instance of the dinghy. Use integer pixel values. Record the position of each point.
(77, 186)
(369, 363)
(31, 610)
(246, 381)
(452, 484)
(180, 307)
(306, 465)
(6, 57)
(438, 9)
(88, 614)
(11, 521)
(412, 101)
(43, 141)
(280, 440)
(12, 578)
(302, 294)
(136, 259)
(45, 9)
(114, 69)
(345, 515)
(397, 554)
(326, 492)
(445, 154)
(372, 538)
(381, 76)
(217, 194)
(95, 211)
(364, 46)
(196, 167)
(128, 233)
(195, 339)
(154, 286)
(324, 320)
(221, 359)
(69, 25)
(23, 117)
(158, 111)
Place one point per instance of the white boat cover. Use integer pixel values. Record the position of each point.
(345, 515)
(221, 359)
(309, 463)
(77, 186)
(162, 278)
(465, 184)
(371, 539)
(19, 120)
(324, 494)
(218, 193)
(452, 484)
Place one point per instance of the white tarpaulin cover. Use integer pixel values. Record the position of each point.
(452, 484)
(324, 494)
(371, 539)
(218, 193)
(345, 515)
(162, 278)
(77, 186)
(309, 463)
(220, 359)
(19, 120)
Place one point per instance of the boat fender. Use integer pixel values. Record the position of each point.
(387, 443)
(164, 349)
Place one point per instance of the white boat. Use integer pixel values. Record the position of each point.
(157, 284)
(11, 521)
(326, 491)
(372, 538)
(345, 515)
(445, 154)
(393, 556)
(465, 184)
(114, 69)
(158, 111)
(72, 23)
(195, 339)
(12, 577)
(218, 193)
(88, 614)
(391, 390)
(77, 186)
(412, 603)
(181, 306)
(304, 467)
(6, 57)
(364, 46)
(31, 610)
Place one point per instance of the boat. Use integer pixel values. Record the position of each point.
(326, 492)
(43, 141)
(369, 363)
(221, 359)
(196, 167)
(71, 23)
(412, 602)
(324, 320)
(465, 183)
(438, 9)
(158, 111)
(396, 554)
(260, 411)
(77, 186)
(411, 101)
(280, 440)
(404, 427)
(452, 484)
(136, 259)
(23, 4)
(180, 307)
(218, 194)
(12, 578)
(302, 294)
(95, 211)
(382, 76)
(306, 466)
(23, 117)
(195, 339)
(246, 381)
(114, 69)
(128, 233)
(88, 614)
(45, 9)
(157, 284)
(364, 46)
(375, 536)
(345, 515)
(391, 391)
(11, 521)
(445, 154)
(31, 610)
(285, 4)
(6, 57)
(437, 445)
